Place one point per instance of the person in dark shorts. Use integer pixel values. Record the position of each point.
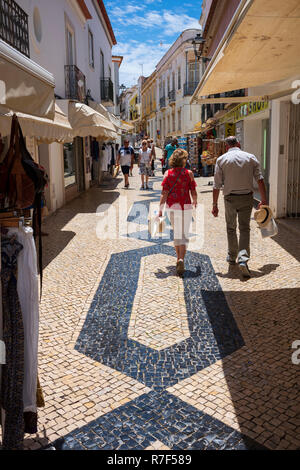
(125, 159)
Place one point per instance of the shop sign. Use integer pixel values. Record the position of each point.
(229, 129)
(244, 110)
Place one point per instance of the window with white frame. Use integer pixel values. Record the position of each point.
(91, 49)
(194, 72)
(70, 45)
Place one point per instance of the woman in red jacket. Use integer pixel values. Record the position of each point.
(180, 195)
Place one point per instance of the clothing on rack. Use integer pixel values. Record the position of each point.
(105, 158)
(13, 336)
(28, 292)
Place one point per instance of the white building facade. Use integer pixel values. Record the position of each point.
(73, 39)
(177, 75)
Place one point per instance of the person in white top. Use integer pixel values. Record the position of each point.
(152, 147)
(145, 161)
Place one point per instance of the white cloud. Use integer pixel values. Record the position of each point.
(135, 53)
(168, 22)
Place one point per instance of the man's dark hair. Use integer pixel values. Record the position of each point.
(232, 141)
(174, 142)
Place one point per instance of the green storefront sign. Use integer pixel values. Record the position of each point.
(244, 110)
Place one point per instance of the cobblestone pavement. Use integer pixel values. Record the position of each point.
(134, 357)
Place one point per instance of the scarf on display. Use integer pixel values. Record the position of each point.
(13, 335)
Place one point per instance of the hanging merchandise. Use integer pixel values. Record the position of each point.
(13, 336)
(19, 326)
(28, 292)
(22, 181)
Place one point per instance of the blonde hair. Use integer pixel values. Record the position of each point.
(177, 158)
(144, 142)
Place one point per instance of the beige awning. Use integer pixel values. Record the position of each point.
(24, 85)
(261, 45)
(85, 121)
(125, 126)
(111, 117)
(45, 130)
(246, 99)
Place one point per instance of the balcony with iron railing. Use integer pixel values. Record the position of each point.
(75, 83)
(189, 88)
(14, 26)
(172, 96)
(107, 91)
(162, 102)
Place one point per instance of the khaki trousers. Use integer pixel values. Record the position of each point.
(238, 207)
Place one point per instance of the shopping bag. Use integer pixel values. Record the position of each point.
(269, 230)
(116, 171)
(156, 226)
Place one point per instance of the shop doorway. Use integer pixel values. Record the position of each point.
(79, 156)
(293, 178)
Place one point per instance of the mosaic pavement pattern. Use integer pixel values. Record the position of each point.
(222, 378)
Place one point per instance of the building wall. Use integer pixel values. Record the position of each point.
(48, 48)
(223, 16)
(279, 157)
(51, 51)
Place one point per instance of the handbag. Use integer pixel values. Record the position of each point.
(17, 189)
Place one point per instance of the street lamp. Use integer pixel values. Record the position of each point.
(197, 42)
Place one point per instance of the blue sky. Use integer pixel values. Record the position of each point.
(146, 29)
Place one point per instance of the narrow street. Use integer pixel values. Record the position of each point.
(133, 357)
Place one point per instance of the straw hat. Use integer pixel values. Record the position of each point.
(263, 216)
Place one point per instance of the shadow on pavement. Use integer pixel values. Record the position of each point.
(234, 272)
(85, 203)
(289, 241)
(262, 381)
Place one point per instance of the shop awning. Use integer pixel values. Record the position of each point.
(246, 99)
(261, 45)
(85, 121)
(45, 130)
(125, 126)
(109, 116)
(25, 86)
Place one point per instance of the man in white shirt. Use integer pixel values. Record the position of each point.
(235, 171)
(126, 159)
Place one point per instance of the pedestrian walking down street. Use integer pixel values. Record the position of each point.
(178, 187)
(126, 159)
(152, 147)
(170, 148)
(145, 161)
(235, 171)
